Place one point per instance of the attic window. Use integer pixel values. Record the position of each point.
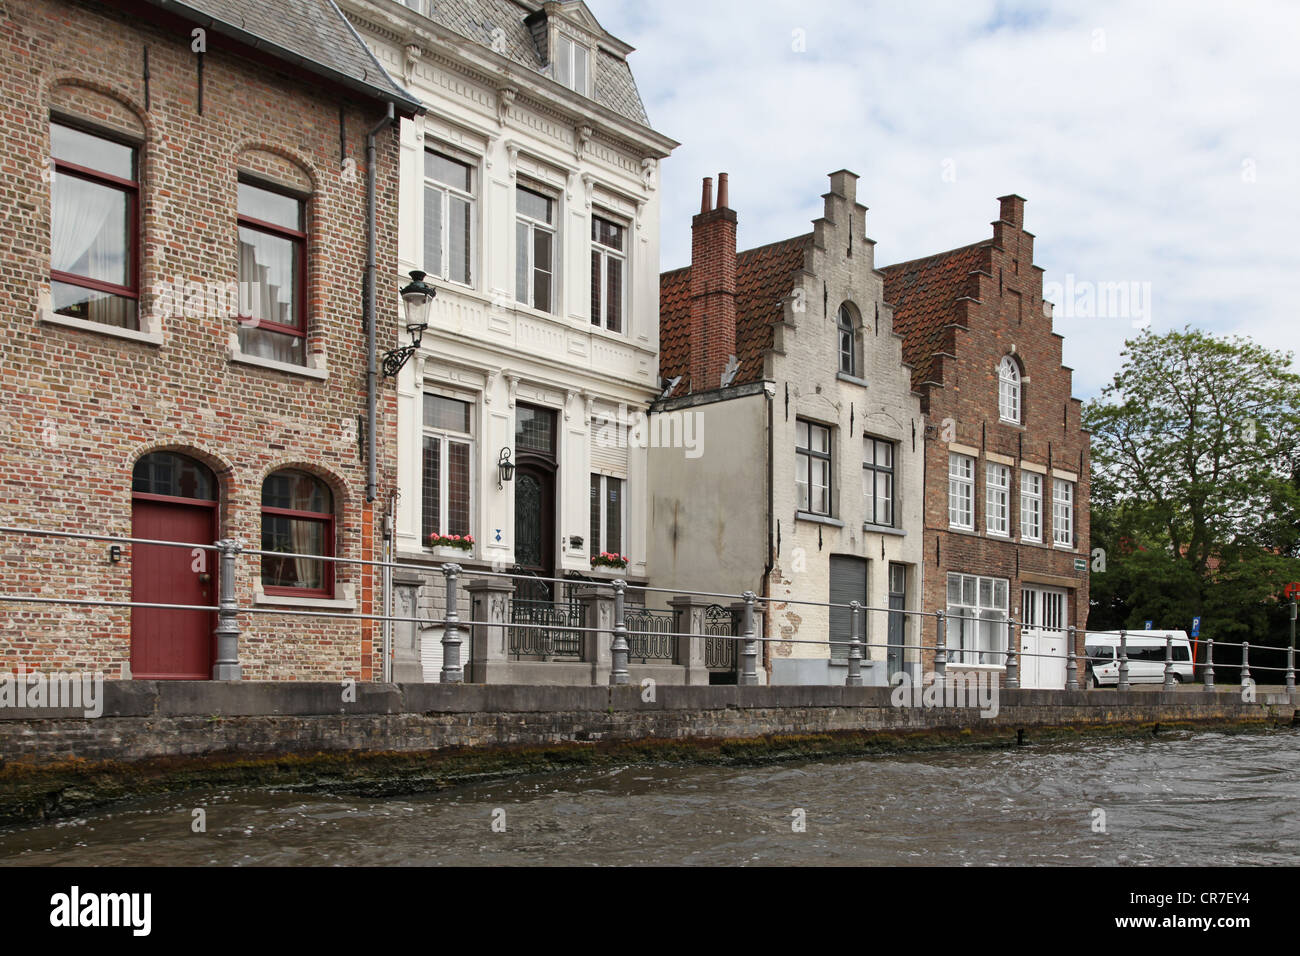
(572, 64)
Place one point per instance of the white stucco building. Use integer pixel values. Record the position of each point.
(807, 476)
(529, 195)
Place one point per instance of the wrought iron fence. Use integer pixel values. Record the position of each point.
(657, 642)
(555, 639)
(719, 651)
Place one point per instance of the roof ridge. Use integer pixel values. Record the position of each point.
(938, 255)
(804, 237)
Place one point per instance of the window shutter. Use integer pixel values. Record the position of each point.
(608, 445)
(848, 583)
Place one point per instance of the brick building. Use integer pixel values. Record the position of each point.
(1006, 458)
(184, 355)
(805, 486)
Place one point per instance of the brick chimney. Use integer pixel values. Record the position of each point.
(713, 288)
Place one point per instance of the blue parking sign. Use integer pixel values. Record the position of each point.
(1149, 623)
(1196, 627)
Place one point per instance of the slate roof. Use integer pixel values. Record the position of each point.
(765, 277)
(613, 85)
(924, 294)
(312, 34)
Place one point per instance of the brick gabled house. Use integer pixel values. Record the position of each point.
(184, 356)
(804, 485)
(1006, 456)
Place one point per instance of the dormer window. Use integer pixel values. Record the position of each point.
(572, 64)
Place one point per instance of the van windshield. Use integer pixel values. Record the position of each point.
(1098, 652)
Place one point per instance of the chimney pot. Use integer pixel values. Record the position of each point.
(723, 197)
(706, 200)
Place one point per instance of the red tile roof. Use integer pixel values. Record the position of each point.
(765, 277)
(924, 294)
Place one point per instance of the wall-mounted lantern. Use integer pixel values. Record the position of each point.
(505, 468)
(417, 297)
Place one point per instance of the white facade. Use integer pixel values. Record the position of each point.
(501, 181)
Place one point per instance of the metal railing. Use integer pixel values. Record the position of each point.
(650, 636)
(638, 634)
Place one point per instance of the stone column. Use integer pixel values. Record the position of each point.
(489, 600)
(597, 612)
(688, 618)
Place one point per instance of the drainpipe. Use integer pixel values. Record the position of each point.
(372, 373)
(770, 563)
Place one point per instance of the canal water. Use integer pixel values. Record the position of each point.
(1189, 800)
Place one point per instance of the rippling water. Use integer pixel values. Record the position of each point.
(1187, 800)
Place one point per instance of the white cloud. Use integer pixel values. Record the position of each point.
(1133, 145)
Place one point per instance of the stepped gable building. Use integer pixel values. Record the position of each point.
(184, 353)
(806, 481)
(1006, 457)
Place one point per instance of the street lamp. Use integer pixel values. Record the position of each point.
(416, 300)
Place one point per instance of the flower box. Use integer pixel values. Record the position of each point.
(452, 546)
(607, 559)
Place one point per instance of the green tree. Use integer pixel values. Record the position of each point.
(1196, 485)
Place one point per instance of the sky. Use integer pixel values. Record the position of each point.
(1156, 144)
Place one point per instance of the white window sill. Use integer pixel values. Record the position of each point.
(149, 338)
(818, 519)
(999, 535)
(1063, 547)
(979, 668)
(303, 370)
(346, 603)
(1036, 542)
(851, 379)
(961, 530)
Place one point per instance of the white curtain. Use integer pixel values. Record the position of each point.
(81, 211)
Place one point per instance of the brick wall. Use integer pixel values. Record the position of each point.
(83, 406)
(1003, 315)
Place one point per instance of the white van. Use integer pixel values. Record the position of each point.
(1146, 658)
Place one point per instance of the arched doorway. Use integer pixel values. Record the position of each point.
(174, 498)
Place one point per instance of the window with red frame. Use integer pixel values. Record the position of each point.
(94, 227)
(297, 519)
(272, 274)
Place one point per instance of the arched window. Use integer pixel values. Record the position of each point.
(848, 343)
(297, 520)
(169, 475)
(1009, 390)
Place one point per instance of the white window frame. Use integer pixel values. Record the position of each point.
(602, 482)
(961, 490)
(997, 500)
(1031, 507)
(442, 269)
(606, 253)
(968, 642)
(1062, 513)
(534, 226)
(446, 437)
(1009, 406)
(567, 49)
(805, 455)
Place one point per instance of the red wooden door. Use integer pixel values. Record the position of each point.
(172, 644)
